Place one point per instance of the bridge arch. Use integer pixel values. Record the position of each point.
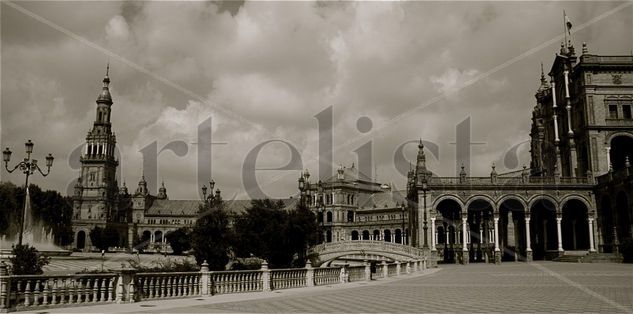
(359, 251)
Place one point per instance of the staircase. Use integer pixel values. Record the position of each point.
(586, 257)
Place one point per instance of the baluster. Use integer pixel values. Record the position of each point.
(111, 289)
(196, 283)
(27, 293)
(180, 283)
(95, 290)
(103, 289)
(151, 287)
(36, 294)
(71, 288)
(54, 292)
(163, 288)
(170, 286)
(45, 293)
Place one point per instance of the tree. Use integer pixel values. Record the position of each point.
(268, 231)
(211, 237)
(48, 207)
(103, 238)
(179, 240)
(26, 260)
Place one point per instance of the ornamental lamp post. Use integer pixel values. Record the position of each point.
(425, 188)
(301, 190)
(28, 166)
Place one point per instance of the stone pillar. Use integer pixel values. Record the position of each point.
(497, 250)
(592, 247)
(559, 234)
(367, 271)
(124, 284)
(433, 238)
(465, 256)
(309, 274)
(385, 269)
(205, 279)
(397, 268)
(408, 267)
(4, 287)
(265, 276)
(528, 249)
(608, 149)
(343, 277)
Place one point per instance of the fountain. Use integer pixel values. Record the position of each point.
(35, 234)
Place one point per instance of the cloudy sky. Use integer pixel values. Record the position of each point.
(262, 71)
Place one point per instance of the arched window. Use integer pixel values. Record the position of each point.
(350, 216)
(365, 235)
(354, 235)
(329, 217)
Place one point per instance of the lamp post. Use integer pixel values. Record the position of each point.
(212, 199)
(28, 166)
(425, 188)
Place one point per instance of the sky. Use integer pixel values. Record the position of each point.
(266, 74)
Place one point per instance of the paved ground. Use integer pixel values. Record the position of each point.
(511, 287)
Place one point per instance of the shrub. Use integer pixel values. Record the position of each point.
(103, 238)
(626, 249)
(26, 260)
(166, 265)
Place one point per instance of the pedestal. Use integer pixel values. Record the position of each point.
(528, 256)
(498, 257)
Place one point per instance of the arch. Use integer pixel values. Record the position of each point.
(515, 197)
(158, 236)
(399, 236)
(539, 198)
(81, 240)
(376, 235)
(354, 235)
(611, 136)
(365, 235)
(442, 198)
(480, 197)
(328, 217)
(574, 225)
(580, 198)
(387, 237)
(621, 148)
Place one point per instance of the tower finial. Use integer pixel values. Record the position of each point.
(108, 69)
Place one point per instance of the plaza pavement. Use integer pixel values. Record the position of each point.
(511, 287)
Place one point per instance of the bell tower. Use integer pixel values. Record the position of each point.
(96, 190)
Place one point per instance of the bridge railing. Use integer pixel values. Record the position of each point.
(38, 292)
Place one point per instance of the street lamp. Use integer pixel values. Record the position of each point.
(425, 188)
(28, 166)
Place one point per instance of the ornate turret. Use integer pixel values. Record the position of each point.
(142, 187)
(162, 192)
(420, 168)
(123, 190)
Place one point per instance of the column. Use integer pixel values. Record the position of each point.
(527, 234)
(608, 149)
(528, 249)
(559, 233)
(592, 247)
(497, 234)
(433, 238)
(464, 234)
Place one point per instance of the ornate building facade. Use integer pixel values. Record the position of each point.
(575, 198)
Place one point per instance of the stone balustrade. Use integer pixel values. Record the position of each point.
(38, 292)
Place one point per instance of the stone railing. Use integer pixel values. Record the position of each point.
(510, 181)
(38, 292)
(225, 282)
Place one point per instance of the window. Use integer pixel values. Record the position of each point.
(626, 111)
(613, 111)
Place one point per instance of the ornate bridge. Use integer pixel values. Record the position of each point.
(361, 250)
